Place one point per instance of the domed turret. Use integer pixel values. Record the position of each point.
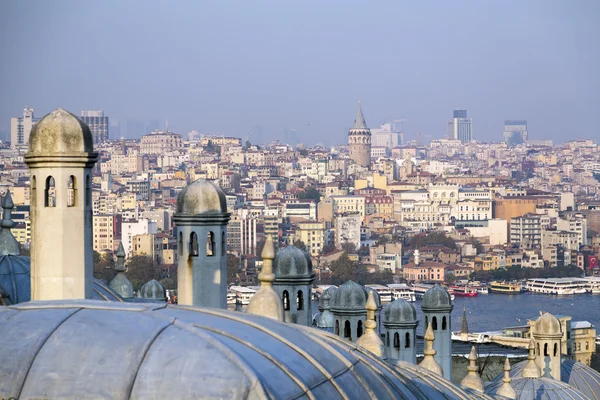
(201, 218)
(153, 290)
(400, 312)
(349, 296)
(437, 298)
(326, 320)
(60, 132)
(349, 310)
(292, 263)
(547, 324)
(201, 197)
(400, 324)
(547, 333)
(437, 306)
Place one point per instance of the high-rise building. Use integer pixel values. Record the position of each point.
(359, 140)
(459, 127)
(20, 127)
(98, 124)
(515, 132)
(385, 136)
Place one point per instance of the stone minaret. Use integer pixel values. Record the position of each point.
(399, 326)
(60, 159)
(359, 140)
(436, 307)
(201, 217)
(547, 333)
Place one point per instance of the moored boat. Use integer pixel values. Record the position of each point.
(506, 287)
(402, 291)
(464, 291)
(560, 286)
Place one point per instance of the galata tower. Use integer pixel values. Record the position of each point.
(359, 140)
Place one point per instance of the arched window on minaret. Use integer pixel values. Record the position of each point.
(359, 329)
(300, 300)
(210, 244)
(50, 192)
(180, 244)
(223, 244)
(71, 192)
(444, 324)
(88, 191)
(387, 339)
(33, 195)
(286, 300)
(337, 327)
(347, 333)
(546, 349)
(434, 323)
(193, 244)
(555, 349)
(407, 340)
(397, 341)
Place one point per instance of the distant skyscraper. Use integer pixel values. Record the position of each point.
(98, 124)
(459, 127)
(359, 140)
(290, 136)
(20, 127)
(385, 136)
(515, 132)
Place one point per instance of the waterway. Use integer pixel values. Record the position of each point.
(492, 312)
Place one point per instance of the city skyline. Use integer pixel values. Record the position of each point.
(235, 71)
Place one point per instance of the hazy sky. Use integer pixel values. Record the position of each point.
(226, 66)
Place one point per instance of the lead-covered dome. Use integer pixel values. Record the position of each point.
(436, 298)
(201, 197)
(547, 324)
(60, 132)
(349, 296)
(153, 290)
(118, 350)
(400, 312)
(539, 388)
(292, 263)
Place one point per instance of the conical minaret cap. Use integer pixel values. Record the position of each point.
(359, 121)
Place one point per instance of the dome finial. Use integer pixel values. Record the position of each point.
(266, 301)
(506, 389)
(531, 369)
(8, 244)
(370, 340)
(428, 361)
(120, 283)
(120, 267)
(473, 380)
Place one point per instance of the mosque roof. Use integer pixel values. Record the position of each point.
(292, 263)
(60, 132)
(575, 374)
(153, 290)
(400, 312)
(349, 296)
(165, 351)
(201, 197)
(539, 389)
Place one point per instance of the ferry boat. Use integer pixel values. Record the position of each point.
(593, 285)
(243, 294)
(385, 293)
(231, 297)
(464, 291)
(421, 288)
(402, 291)
(560, 286)
(506, 287)
(482, 289)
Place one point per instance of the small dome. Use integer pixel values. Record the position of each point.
(547, 324)
(331, 291)
(15, 278)
(153, 290)
(122, 286)
(60, 132)
(291, 262)
(350, 296)
(539, 388)
(201, 197)
(436, 298)
(400, 311)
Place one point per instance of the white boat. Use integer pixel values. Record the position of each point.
(421, 288)
(481, 289)
(243, 294)
(231, 297)
(483, 337)
(560, 286)
(593, 284)
(402, 291)
(384, 292)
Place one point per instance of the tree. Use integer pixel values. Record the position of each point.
(142, 269)
(233, 267)
(248, 144)
(430, 238)
(310, 193)
(103, 267)
(349, 248)
(300, 244)
(328, 248)
(450, 277)
(344, 269)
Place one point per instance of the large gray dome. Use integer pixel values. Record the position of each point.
(15, 280)
(400, 312)
(60, 132)
(89, 349)
(436, 299)
(291, 263)
(539, 388)
(573, 373)
(349, 296)
(201, 197)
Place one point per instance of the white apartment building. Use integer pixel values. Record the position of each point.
(131, 228)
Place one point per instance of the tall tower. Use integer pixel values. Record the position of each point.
(459, 127)
(98, 124)
(400, 326)
(201, 217)
(437, 307)
(547, 334)
(60, 159)
(293, 283)
(359, 140)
